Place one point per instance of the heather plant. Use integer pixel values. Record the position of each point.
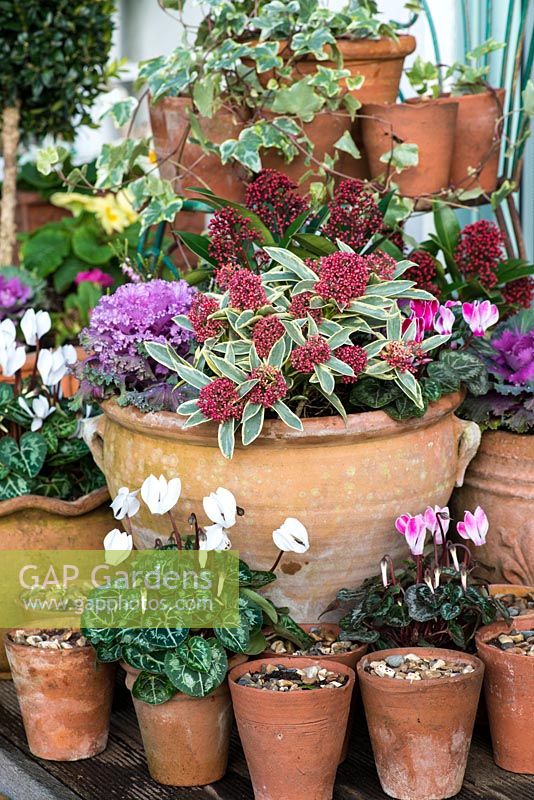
(471, 264)
(509, 360)
(41, 451)
(119, 363)
(173, 658)
(431, 600)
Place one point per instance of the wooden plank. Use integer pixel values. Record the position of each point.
(120, 772)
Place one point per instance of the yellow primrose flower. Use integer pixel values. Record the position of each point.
(74, 201)
(114, 212)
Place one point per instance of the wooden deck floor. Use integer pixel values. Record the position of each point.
(120, 772)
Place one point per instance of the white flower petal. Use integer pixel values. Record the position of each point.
(291, 536)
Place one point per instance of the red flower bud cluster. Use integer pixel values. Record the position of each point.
(354, 215)
(266, 333)
(305, 357)
(219, 400)
(270, 388)
(353, 355)
(479, 252)
(342, 277)
(246, 290)
(404, 356)
(424, 274)
(201, 308)
(300, 307)
(520, 292)
(381, 264)
(231, 238)
(272, 196)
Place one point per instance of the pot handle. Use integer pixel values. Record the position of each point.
(93, 435)
(468, 444)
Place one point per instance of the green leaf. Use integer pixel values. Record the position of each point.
(87, 245)
(226, 438)
(122, 111)
(287, 628)
(25, 459)
(199, 245)
(448, 232)
(196, 653)
(148, 662)
(287, 416)
(402, 156)
(203, 93)
(194, 682)
(108, 652)
(374, 393)
(252, 422)
(291, 262)
(410, 387)
(66, 272)
(528, 98)
(43, 252)
(419, 601)
(348, 145)
(234, 639)
(14, 486)
(259, 600)
(325, 378)
(153, 689)
(300, 99)
(153, 639)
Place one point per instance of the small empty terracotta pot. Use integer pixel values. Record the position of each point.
(292, 740)
(65, 700)
(350, 659)
(509, 692)
(421, 731)
(429, 124)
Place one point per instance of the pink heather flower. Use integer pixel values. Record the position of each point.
(414, 531)
(246, 290)
(404, 356)
(315, 351)
(219, 400)
(94, 276)
(480, 315)
(381, 264)
(201, 309)
(353, 355)
(444, 321)
(271, 387)
(474, 526)
(266, 332)
(424, 272)
(300, 307)
(273, 197)
(342, 277)
(431, 516)
(479, 252)
(354, 215)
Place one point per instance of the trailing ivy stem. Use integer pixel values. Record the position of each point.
(278, 559)
(175, 531)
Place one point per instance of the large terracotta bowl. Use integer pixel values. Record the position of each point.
(345, 483)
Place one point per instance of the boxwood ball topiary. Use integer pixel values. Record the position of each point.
(53, 56)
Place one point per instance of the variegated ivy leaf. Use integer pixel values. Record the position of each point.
(122, 111)
(402, 156)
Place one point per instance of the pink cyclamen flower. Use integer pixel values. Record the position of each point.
(94, 276)
(474, 526)
(444, 321)
(433, 517)
(425, 310)
(419, 334)
(480, 315)
(414, 531)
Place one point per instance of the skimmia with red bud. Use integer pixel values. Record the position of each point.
(431, 600)
(259, 357)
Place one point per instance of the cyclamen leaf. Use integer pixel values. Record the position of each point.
(196, 653)
(148, 662)
(234, 639)
(153, 689)
(194, 682)
(261, 601)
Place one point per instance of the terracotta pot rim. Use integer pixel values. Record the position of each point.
(508, 588)
(52, 505)
(382, 49)
(413, 105)
(482, 636)
(47, 653)
(367, 425)
(297, 697)
(391, 685)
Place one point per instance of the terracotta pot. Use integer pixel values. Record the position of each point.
(186, 739)
(501, 480)
(346, 483)
(33, 210)
(500, 589)
(46, 523)
(170, 128)
(324, 131)
(292, 741)
(65, 700)
(350, 659)
(478, 140)
(69, 384)
(509, 689)
(428, 124)
(421, 732)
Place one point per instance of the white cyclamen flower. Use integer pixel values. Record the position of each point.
(52, 366)
(8, 333)
(39, 411)
(12, 358)
(291, 536)
(221, 507)
(117, 545)
(34, 325)
(214, 538)
(69, 354)
(161, 495)
(125, 503)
